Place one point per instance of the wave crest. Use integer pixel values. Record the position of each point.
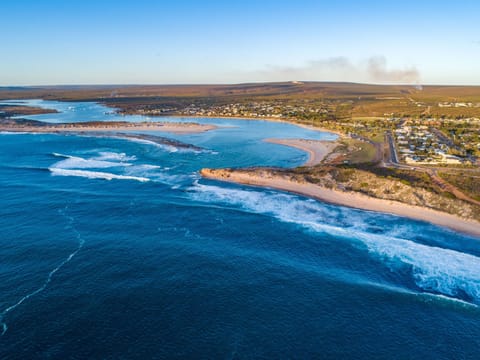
(95, 174)
(433, 269)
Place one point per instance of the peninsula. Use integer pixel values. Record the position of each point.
(463, 217)
(412, 151)
(116, 126)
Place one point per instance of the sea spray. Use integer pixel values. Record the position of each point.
(95, 175)
(435, 269)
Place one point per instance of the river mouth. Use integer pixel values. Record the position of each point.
(163, 259)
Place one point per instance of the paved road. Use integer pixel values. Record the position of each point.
(393, 149)
(393, 162)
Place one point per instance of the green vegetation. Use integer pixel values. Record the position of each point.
(335, 101)
(430, 124)
(467, 182)
(441, 118)
(366, 111)
(404, 176)
(403, 185)
(464, 134)
(357, 151)
(7, 111)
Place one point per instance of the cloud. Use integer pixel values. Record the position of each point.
(374, 70)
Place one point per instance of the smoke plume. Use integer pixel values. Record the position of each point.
(378, 72)
(374, 70)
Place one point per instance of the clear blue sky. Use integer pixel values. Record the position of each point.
(158, 42)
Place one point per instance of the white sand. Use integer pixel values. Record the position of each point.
(177, 128)
(350, 199)
(317, 149)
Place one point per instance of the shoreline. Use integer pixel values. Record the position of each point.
(349, 199)
(317, 150)
(270, 119)
(176, 128)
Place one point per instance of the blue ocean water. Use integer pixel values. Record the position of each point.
(116, 248)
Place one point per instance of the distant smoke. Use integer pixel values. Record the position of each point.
(377, 71)
(373, 69)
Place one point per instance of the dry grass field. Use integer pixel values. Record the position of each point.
(358, 99)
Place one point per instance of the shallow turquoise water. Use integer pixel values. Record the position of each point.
(112, 248)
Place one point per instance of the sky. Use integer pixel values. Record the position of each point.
(52, 42)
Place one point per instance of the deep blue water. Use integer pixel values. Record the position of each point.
(112, 248)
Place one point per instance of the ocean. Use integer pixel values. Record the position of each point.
(116, 248)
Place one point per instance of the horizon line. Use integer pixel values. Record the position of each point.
(294, 82)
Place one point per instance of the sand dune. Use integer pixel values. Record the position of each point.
(345, 198)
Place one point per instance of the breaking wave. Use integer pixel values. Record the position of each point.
(168, 148)
(14, 133)
(124, 167)
(433, 269)
(106, 155)
(74, 162)
(95, 174)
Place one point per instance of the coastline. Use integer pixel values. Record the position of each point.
(270, 119)
(176, 128)
(317, 150)
(349, 199)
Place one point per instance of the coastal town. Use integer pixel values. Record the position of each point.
(413, 139)
(240, 180)
(424, 144)
(278, 109)
(417, 140)
(384, 133)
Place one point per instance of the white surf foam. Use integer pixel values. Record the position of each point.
(148, 167)
(285, 207)
(434, 269)
(104, 160)
(94, 174)
(61, 155)
(88, 167)
(112, 156)
(14, 133)
(168, 148)
(445, 271)
(447, 300)
(80, 163)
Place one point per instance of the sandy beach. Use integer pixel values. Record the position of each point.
(349, 199)
(176, 128)
(317, 149)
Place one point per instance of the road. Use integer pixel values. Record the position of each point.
(392, 148)
(445, 139)
(432, 172)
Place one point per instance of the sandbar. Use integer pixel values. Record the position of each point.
(317, 150)
(176, 128)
